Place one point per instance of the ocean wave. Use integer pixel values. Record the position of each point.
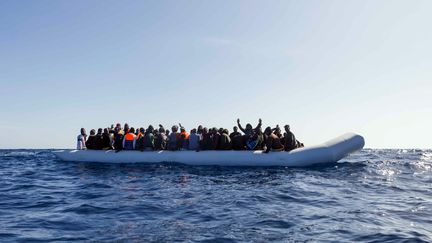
(370, 196)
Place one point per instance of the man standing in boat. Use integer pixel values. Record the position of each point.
(82, 139)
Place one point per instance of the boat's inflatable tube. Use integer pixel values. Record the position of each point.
(329, 152)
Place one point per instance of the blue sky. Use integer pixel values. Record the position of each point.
(324, 67)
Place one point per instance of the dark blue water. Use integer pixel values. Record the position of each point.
(373, 195)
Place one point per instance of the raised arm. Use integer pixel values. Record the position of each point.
(240, 126)
(259, 124)
(180, 126)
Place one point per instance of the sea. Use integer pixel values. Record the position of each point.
(370, 196)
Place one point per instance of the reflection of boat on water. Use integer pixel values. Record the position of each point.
(329, 152)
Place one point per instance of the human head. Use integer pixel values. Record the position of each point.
(174, 128)
(287, 128)
(100, 131)
(182, 129)
(126, 128)
(214, 130)
(248, 126)
(105, 131)
(268, 131)
(278, 131)
(220, 130)
(225, 131)
(83, 132)
(235, 128)
(167, 132)
(205, 130)
(200, 128)
(150, 129)
(132, 130)
(142, 130)
(193, 131)
(92, 132)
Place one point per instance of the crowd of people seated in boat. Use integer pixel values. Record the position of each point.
(200, 138)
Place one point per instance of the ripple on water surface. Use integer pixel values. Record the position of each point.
(373, 195)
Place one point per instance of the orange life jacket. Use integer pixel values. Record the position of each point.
(130, 137)
(185, 135)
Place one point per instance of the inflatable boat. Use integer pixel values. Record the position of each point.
(329, 152)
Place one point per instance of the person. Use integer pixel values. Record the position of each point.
(98, 139)
(112, 136)
(215, 138)
(260, 139)
(106, 140)
(140, 133)
(173, 138)
(126, 129)
(224, 140)
(249, 129)
(183, 138)
(118, 139)
(278, 132)
(140, 140)
(81, 139)
(91, 141)
(160, 139)
(207, 141)
(199, 130)
(290, 141)
(237, 140)
(194, 140)
(252, 136)
(255, 140)
(234, 133)
(129, 140)
(272, 141)
(149, 138)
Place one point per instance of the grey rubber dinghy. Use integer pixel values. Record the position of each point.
(328, 152)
